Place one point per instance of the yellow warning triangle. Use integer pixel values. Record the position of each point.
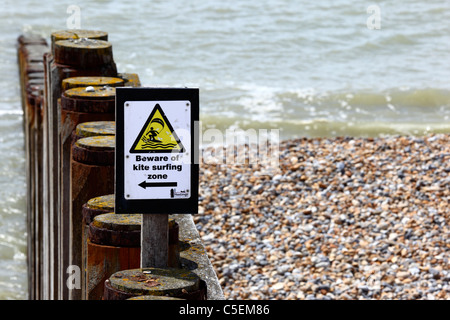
(157, 135)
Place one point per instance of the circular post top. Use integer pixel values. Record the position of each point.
(105, 202)
(171, 282)
(96, 128)
(77, 34)
(75, 82)
(123, 221)
(91, 93)
(118, 222)
(97, 143)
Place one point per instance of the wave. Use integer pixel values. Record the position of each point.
(404, 96)
(309, 111)
(11, 112)
(158, 145)
(317, 128)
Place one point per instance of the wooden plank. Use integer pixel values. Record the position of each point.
(51, 199)
(155, 240)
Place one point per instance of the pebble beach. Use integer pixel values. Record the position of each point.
(341, 219)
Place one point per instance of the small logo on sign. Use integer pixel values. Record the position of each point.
(179, 194)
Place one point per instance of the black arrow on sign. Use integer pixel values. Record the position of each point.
(145, 184)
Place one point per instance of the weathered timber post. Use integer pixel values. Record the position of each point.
(94, 207)
(93, 129)
(91, 175)
(57, 69)
(80, 106)
(77, 34)
(85, 57)
(113, 244)
(170, 282)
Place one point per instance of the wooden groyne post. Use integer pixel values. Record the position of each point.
(68, 99)
(31, 72)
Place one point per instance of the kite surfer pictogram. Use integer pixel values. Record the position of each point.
(157, 135)
(152, 134)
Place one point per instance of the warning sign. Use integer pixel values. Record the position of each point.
(157, 135)
(157, 163)
(155, 169)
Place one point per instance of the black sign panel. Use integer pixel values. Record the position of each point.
(156, 151)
